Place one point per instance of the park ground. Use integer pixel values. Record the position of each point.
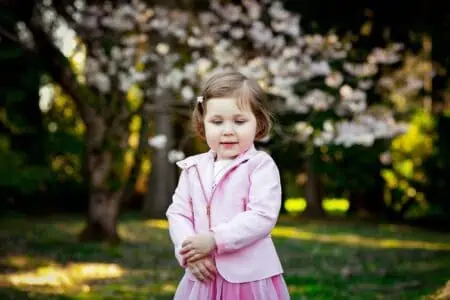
(40, 258)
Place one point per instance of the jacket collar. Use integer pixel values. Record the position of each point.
(204, 164)
(208, 157)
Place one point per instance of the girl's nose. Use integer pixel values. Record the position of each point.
(228, 129)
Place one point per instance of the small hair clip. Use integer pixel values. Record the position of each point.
(200, 99)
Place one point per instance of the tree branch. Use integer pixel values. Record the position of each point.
(144, 113)
(58, 67)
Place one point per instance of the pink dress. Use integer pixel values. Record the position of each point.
(273, 288)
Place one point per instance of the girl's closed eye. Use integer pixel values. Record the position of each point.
(240, 121)
(216, 122)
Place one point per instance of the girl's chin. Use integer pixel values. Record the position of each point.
(228, 154)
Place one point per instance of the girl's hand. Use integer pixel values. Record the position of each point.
(203, 269)
(198, 246)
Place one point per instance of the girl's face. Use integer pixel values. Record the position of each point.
(229, 130)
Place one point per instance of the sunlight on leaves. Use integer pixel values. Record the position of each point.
(297, 205)
(161, 224)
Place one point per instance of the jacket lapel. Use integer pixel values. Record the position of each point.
(205, 166)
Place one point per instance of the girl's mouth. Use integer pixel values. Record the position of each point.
(228, 145)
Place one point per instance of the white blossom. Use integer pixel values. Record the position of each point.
(318, 100)
(237, 33)
(117, 24)
(112, 68)
(175, 155)
(328, 126)
(361, 70)
(46, 95)
(203, 65)
(173, 79)
(162, 48)
(365, 84)
(302, 131)
(275, 52)
(412, 85)
(187, 93)
(137, 76)
(321, 68)
(385, 158)
(116, 53)
(383, 56)
(158, 141)
(102, 82)
(254, 9)
(334, 79)
(24, 34)
(92, 66)
(124, 82)
(277, 11)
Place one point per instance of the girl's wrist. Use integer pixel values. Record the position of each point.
(213, 238)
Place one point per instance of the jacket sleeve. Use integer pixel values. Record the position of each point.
(257, 222)
(180, 216)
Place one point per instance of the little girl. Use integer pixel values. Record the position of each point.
(228, 199)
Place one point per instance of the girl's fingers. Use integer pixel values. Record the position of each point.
(194, 258)
(211, 267)
(185, 243)
(188, 256)
(197, 273)
(205, 272)
(184, 250)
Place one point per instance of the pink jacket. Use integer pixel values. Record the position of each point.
(241, 210)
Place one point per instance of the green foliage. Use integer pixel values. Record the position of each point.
(405, 177)
(15, 174)
(356, 168)
(437, 169)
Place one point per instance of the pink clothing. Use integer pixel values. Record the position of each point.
(241, 210)
(273, 288)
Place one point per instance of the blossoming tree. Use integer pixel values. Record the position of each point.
(161, 54)
(311, 76)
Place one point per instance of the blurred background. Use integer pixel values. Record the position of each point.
(95, 107)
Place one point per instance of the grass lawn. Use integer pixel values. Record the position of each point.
(40, 259)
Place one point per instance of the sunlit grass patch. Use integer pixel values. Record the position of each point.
(357, 240)
(60, 279)
(20, 262)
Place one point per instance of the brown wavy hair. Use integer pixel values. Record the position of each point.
(232, 84)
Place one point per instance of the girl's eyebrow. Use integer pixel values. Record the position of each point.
(235, 116)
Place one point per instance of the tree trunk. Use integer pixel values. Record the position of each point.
(102, 218)
(162, 177)
(104, 205)
(357, 207)
(313, 192)
(369, 202)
